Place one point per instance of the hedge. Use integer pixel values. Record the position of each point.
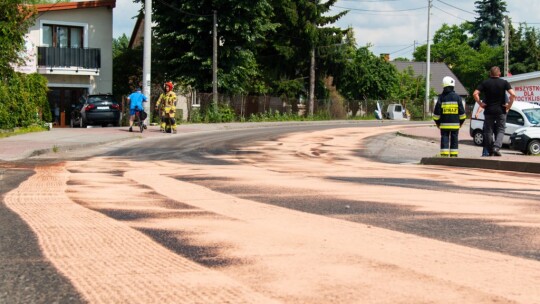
(23, 100)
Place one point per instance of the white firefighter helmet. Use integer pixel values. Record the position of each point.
(448, 81)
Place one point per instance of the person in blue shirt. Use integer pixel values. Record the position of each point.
(136, 100)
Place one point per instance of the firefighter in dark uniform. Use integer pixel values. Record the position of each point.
(449, 115)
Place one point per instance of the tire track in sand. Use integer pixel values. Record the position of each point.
(107, 261)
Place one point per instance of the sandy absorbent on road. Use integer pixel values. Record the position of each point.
(132, 232)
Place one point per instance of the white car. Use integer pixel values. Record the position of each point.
(522, 114)
(526, 140)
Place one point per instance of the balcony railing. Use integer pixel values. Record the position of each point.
(55, 57)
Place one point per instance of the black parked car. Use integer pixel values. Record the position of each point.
(99, 109)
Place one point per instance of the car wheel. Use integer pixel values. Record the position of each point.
(478, 137)
(533, 147)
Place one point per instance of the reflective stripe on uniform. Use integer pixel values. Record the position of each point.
(450, 126)
(445, 152)
(449, 107)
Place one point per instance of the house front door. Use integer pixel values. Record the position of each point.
(61, 101)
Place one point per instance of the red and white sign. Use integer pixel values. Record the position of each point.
(530, 93)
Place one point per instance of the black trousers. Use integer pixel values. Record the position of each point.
(494, 124)
(449, 142)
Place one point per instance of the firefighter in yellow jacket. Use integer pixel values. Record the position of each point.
(449, 115)
(166, 105)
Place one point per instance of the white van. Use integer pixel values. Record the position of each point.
(522, 114)
(395, 112)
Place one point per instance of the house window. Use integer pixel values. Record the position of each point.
(63, 36)
(195, 100)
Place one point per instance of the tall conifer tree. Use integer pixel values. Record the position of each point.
(489, 25)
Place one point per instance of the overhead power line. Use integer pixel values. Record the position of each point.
(383, 14)
(450, 14)
(401, 50)
(456, 7)
(382, 11)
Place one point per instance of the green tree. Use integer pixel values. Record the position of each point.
(401, 59)
(524, 49)
(410, 91)
(183, 33)
(367, 76)
(15, 20)
(451, 45)
(127, 67)
(488, 26)
(120, 45)
(302, 31)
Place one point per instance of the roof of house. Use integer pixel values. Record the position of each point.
(521, 77)
(138, 33)
(438, 71)
(59, 6)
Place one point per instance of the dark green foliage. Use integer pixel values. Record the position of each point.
(127, 67)
(15, 19)
(22, 98)
(367, 76)
(411, 91)
(524, 50)
(451, 45)
(489, 25)
(184, 35)
(223, 113)
(285, 55)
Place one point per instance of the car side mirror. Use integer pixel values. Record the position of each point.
(520, 121)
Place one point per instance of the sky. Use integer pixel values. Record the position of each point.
(390, 26)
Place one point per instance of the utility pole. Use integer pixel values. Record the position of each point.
(428, 59)
(214, 64)
(147, 56)
(506, 44)
(312, 81)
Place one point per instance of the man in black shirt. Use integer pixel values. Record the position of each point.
(495, 108)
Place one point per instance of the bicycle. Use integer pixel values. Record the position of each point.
(140, 115)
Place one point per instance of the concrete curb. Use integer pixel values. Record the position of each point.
(419, 137)
(529, 167)
(44, 151)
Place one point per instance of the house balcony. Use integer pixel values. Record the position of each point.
(69, 61)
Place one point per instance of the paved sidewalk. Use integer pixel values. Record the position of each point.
(31, 144)
(470, 154)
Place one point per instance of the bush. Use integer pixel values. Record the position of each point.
(224, 113)
(22, 99)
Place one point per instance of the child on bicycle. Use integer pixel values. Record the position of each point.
(136, 100)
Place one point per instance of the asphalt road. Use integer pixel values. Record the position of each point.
(220, 161)
(213, 148)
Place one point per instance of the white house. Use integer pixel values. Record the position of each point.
(71, 45)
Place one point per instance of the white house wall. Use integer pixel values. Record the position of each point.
(98, 34)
